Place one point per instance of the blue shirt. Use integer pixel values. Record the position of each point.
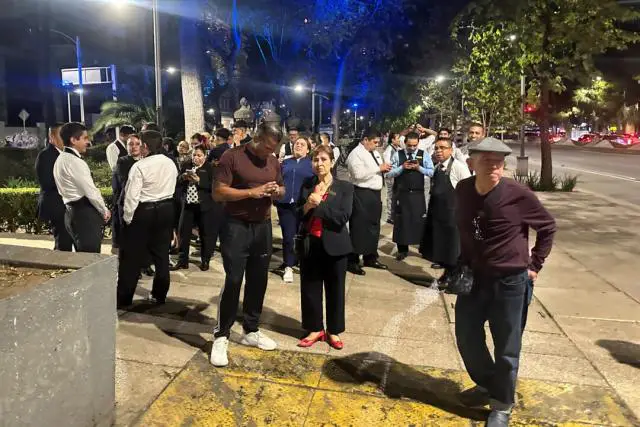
(294, 172)
(396, 168)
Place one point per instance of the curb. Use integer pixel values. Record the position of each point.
(630, 151)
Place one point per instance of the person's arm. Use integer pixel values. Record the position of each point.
(396, 167)
(132, 194)
(537, 217)
(85, 183)
(334, 213)
(427, 166)
(112, 155)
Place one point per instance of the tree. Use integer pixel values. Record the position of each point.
(600, 102)
(556, 41)
(113, 114)
(190, 58)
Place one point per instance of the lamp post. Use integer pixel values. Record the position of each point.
(157, 68)
(76, 42)
(355, 119)
(300, 88)
(522, 166)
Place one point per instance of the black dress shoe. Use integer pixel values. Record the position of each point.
(155, 300)
(401, 256)
(498, 419)
(376, 264)
(124, 305)
(356, 269)
(436, 266)
(204, 265)
(148, 271)
(180, 266)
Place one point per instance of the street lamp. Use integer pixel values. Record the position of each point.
(355, 118)
(522, 168)
(211, 111)
(299, 88)
(172, 70)
(76, 42)
(440, 78)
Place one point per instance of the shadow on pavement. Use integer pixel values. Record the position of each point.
(397, 380)
(627, 353)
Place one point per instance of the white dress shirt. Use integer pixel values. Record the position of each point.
(459, 170)
(74, 181)
(113, 152)
(364, 170)
(151, 179)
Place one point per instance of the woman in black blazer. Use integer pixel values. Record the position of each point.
(325, 208)
(196, 180)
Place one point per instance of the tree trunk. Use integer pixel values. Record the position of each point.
(337, 100)
(546, 169)
(192, 100)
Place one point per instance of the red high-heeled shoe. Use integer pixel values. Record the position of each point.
(306, 343)
(337, 344)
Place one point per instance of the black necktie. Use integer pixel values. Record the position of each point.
(375, 158)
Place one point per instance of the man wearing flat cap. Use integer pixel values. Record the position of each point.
(494, 215)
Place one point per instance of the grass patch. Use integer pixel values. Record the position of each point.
(566, 183)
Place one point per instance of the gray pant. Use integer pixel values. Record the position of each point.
(390, 205)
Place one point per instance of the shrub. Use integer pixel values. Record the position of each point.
(568, 183)
(19, 209)
(20, 183)
(101, 173)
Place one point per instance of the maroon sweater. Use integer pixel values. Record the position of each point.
(494, 228)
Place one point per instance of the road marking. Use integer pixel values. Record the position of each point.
(605, 174)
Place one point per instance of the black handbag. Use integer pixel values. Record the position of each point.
(459, 281)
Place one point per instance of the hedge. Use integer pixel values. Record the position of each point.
(19, 209)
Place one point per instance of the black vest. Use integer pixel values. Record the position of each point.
(287, 149)
(410, 180)
(122, 151)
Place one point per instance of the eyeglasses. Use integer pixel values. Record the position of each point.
(441, 147)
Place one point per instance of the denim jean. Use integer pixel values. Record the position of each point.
(503, 302)
(289, 223)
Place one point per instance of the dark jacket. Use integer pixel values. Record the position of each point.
(50, 204)
(335, 213)
(120, 177)
(294, 172)
(205, 173)
(217, 152)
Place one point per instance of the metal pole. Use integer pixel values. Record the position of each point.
(355, 121)
(320, 111)
(69, 103)
(114, 92)
(313, 108)
(80, 83)
(523, 100)
(158, 70)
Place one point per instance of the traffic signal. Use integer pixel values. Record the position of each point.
(530, 108)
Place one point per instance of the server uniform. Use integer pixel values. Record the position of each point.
(50, 205)
(324, 267)
(364, 226)
(410, 208)
(246, 237)
(85, 207)
(148, 217)
(441, 240)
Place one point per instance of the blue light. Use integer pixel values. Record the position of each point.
(355, 105)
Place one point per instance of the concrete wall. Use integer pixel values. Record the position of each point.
(57, 345)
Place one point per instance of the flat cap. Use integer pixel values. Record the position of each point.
(490, 145)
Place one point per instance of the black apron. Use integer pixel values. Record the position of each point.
(441, 241)
(409, 203)
(364, 225)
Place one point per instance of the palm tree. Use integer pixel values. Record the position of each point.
(113, 114)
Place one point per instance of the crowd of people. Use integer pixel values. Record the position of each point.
(451, 200)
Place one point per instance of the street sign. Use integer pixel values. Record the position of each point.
(90, 75)
(24, 115)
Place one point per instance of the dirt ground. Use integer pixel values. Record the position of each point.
(14, 280)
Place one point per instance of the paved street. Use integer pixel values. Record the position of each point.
(609, 174)
(400, 365)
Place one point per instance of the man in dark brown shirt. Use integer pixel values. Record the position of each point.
(494, 215)
(247, 180)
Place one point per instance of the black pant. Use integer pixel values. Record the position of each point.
(244, 246)
(84, 224)
(320, 270)
(354, 259)
(192, 214)
(504, 303)
(116, 226)
(403, 249)
(150, 233)
(62, 238)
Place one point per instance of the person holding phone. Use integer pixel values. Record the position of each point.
(196, 201)
(408, 168)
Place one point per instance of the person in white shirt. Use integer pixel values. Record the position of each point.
(393, 146)
(441, 241)
(366, 168)
(118, 148)
(86, 210)
(286, 149)
(148, 215)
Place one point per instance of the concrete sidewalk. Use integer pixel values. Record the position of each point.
(400, 365)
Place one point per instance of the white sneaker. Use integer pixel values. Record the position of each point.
(219, 352)
(258, 339)
(288, 275)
